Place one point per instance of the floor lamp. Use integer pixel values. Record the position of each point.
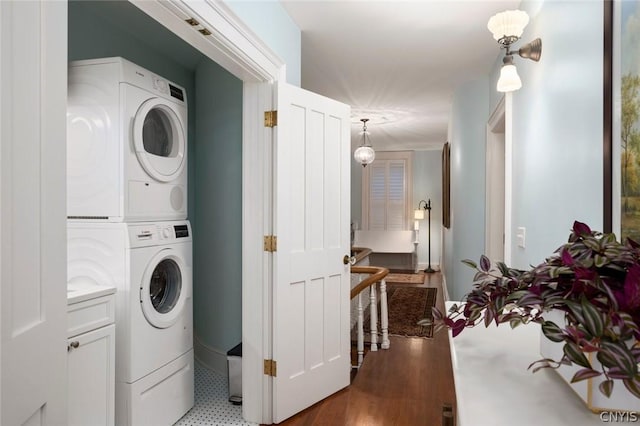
(418, 215)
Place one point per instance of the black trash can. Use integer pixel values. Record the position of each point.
(234, 368)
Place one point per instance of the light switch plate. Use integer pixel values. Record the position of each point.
(520, 236)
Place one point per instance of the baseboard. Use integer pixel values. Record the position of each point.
(445, 291)
(211, 358)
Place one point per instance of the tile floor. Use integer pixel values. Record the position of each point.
(212, 406)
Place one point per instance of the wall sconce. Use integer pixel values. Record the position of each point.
(418, 214)
(507, 27)
(365, 153)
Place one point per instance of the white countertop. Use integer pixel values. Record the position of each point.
(495, 388)
(80, 291)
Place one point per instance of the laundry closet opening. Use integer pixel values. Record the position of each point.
(214, 155)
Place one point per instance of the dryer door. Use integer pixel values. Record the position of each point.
(159, 140)
(163, 290)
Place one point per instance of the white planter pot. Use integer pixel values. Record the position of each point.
(621, 399)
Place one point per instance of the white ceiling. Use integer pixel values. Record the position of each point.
(396, 62)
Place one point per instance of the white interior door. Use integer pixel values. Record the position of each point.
(311, 343)
(33, 262)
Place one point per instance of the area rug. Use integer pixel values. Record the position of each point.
(405, 278)
(406, 306)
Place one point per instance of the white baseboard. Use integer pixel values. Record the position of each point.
(445, 290)
(212, 358)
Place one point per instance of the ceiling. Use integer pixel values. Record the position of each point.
(396, 62)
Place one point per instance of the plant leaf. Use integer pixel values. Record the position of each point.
(581, 229)
(606, 387)
(470, 263)
(593, 321)
(575, 355)
(485, 263)
(552, 331)
(437, 315)
(503, 268)
(622, 356)
(584, 374)
(633, 385)
(457, 327)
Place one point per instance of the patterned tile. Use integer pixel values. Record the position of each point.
(212, 406)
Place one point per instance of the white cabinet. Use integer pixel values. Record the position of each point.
(91, 357)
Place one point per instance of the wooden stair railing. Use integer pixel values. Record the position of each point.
(376, 274)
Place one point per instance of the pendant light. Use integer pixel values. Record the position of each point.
(365, 153)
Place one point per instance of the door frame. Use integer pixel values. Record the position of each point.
(501, 117)
(233, 45)
(494, 173)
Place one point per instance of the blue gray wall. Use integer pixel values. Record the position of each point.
(557, 128)
(218, 208)
(270, 22)
(557, 141)
(465, 238)
(427, 183)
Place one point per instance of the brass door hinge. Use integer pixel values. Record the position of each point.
(270, 243)
(270, 367)
(270, 118)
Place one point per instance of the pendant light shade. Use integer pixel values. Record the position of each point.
(365, 153)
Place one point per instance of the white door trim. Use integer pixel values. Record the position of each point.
(236, 48)
(494, 239)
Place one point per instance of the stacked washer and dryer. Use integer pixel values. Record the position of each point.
(127, 227)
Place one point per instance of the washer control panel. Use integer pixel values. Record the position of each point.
(146, 234)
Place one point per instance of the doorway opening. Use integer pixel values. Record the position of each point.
(226, 154)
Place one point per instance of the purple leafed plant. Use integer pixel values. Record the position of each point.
(593, 279)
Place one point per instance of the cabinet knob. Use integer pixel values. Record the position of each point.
(73, 345)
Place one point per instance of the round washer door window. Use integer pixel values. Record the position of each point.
(162, 295)
(159, 140)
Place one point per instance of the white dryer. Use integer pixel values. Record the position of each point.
(126, 143)
(150, 264)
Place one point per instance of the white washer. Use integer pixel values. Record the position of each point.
(126, 143)
(150, 264)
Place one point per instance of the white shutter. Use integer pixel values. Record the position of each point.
(386, 189)
(378, 196)
(396, 195)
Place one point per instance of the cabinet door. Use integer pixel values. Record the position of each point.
(91, 369)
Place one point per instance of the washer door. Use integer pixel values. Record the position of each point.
(162, 292)
(159, 140)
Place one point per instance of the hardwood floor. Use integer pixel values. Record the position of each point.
(405, 385)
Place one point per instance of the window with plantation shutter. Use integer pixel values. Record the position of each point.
(386, 189)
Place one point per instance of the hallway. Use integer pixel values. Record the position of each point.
(405, 385)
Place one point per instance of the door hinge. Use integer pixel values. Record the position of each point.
(270, 243)
(270, 118)
(270, 367)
